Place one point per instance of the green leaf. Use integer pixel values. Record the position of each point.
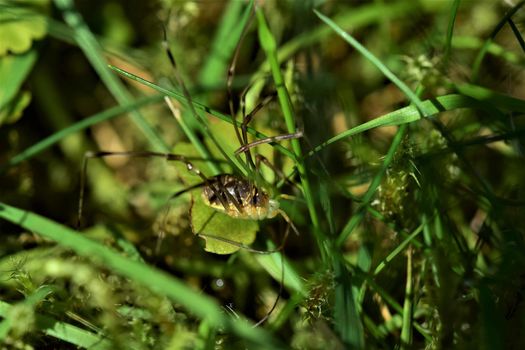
(13, 71)
(21, 22)
(220, 231)
(13, 111)
(214, 227)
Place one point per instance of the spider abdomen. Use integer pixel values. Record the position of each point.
(238, 198)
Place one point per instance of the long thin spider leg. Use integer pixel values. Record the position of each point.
(269, 139)
(167, 208)
(247, 118)
(262, 159)
(82, 190)
(289, 221)
(281, 287)
(188, 97)
(244, 125)
(237, 244)
(224, 203)
(147, 154)
(229, 79)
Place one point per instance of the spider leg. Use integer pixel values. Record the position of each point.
(146, 154)
(269, 139)
(229, 83)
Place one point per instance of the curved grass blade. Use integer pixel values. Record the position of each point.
(483, 51)
(470, 42)
(200, 106)
(352, 19)
(482, 98)
(450, 31)
(270, 47)
(375, 61)
(224, 42)
(81, 125)
(154, 279)
(91, 48)
(63, 331)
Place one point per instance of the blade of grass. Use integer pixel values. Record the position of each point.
(492, 98)
(476, 66)
(450, 31)
(482, 99)
(154, 279)
(31, 301)
(81, 125)
(347, 319)
(375, 61)
(192, 136)
(180, 97)
(273, 264)
(469, 42)
(346, 316)
(91, 48)
(224, 42)
(367, 197)
(63, 331)
(390, 300)
(270, 48)
(492, 321)
(398, 250)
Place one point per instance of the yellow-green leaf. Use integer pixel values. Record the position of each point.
(219, 229)
(21, 22)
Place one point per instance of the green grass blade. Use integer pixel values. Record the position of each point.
(450, 30)
(481, 98)
(401, 247)
(492, 321)
(91, 48)
(375, 61)
(227, 35)
(202, 107)
(476, 66)
(64, 331)
(367, 197)
(158, 281)
(347, 320)
(270, 48)
(469, 42)
(81, 125)
(273, 264)
(492, 98)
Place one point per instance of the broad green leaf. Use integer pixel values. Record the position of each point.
(13, 110)
(21, 22)
(206, 220)
(218, 229)
(13, 71)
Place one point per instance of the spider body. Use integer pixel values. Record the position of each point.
(242, 198)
